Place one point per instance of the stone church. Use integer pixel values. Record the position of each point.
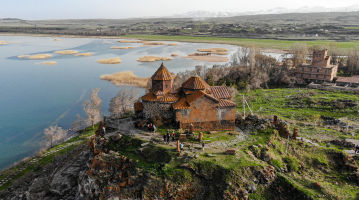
(206, 107)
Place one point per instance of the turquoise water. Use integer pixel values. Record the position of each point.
(33, 96)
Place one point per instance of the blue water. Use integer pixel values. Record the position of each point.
(34, 97)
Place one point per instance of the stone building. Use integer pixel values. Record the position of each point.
(319, 71)
(348, 81)
(206, 107)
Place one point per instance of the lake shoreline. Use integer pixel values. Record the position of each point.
(265, 50)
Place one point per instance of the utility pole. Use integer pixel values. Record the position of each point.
(244, 107)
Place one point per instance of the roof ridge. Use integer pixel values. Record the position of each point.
(162, 73)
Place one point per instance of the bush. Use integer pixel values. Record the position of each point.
(292, 163)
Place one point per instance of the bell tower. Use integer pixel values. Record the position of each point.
(162, 80)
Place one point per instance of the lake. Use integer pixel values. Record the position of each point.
(34, 97)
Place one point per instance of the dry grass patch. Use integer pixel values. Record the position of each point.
(220, 53)
(153, 43)
(85, 54)
(39, 56)
(210, 58)
(152, 58)
(24, 56)
(106, 42)
(126, 78)
(47, 63)
(212, 50)
(57, 40)
(2, 42)
(171, 44)
(116, 60)
(65, 52)
(174, 54)
(122, 47)
(130, 41)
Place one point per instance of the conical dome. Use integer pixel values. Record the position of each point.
(195, 83)
(162, 74)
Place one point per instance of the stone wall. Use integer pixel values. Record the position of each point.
(205, 114)
(151, 109)
(222, 125)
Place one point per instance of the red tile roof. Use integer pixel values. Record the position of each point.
(353, 79)
(195, 96)
(138, 106)
(181, 104)
(162, 74)
(226, 103)
(189, 92)
(220, 92)
(195, 83)
(164, 98)
(159, 93)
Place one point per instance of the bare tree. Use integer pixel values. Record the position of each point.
(78, 124)
(233, 91)
(298, 53)
(53, 135)
(122, 102)
(92, 108)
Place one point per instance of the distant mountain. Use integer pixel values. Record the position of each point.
(277, 10)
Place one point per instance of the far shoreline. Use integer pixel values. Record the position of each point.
(265, 50)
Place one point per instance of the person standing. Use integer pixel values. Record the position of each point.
(168, 138)
(203, 146)
(154, 128)
(352, 135)
(164, 138)
(181, 147)
(173, 136)
(356, 148)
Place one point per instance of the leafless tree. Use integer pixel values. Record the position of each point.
(53, 135)
(122, 102)
(233, 91)
(299, 52)
(92, 108)
(78, 124)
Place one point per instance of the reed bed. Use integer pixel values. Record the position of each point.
(47, 63)
(66, 52)
(153, 43)
(220, 53)
(106, 42)
(130, 41)
(126, 78)
(39, 56)
(174, 54)
(85, 54)
(2, 42)
(129, 47)
(153, 58)
(116, 60)
(213, 50)
(210, 58)
(57, 40)
(24, 56)
(171, 44)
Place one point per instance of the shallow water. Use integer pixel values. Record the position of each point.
(33, 96)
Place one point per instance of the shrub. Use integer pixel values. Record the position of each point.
(292, 163)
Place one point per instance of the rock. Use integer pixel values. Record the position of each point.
(252, 188)
(65, 179)
(213, 132)
(38, 189)
(328, 144)
(145, 144)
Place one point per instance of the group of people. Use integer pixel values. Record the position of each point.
(151, 128)
(166, 137)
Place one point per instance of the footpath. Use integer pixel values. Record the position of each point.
(35, 160)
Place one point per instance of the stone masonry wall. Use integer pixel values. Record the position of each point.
(211, 125)
(151, 109)
(205, 114)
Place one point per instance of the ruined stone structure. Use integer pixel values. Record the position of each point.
(205, 107)
(318, 72)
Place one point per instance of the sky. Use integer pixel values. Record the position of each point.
(118, 9)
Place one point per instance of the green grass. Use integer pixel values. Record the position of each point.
(262, 43)
(48, 159)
